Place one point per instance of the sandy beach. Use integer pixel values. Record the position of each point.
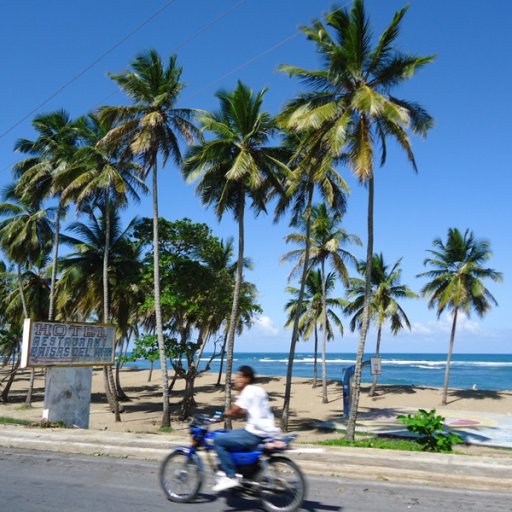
(142, 413)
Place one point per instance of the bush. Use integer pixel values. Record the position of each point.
(431, 431)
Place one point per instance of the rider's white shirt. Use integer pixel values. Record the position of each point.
(260, 420)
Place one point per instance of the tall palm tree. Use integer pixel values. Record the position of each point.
(220, 261)
(456, 285)
(149, 129)
(50, 152)
(25, 234)
(311, 169)
(25, 237)
(10, 330)
(81, 284)
(235, 164)
(99, 178)
(386, 290)
(312, 311)
(326, 246)
(350, 107)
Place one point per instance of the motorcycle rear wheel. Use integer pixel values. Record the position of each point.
(181, 476)
(282, 485)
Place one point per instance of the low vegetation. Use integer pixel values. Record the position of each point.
(431, 433)
(5, 420)
(376, 442)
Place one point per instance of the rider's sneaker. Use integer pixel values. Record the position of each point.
(225, 482)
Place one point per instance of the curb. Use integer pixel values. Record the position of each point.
(442, 470)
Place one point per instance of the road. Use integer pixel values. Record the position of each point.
(44, 482)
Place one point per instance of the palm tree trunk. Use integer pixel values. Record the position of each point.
(28, 399)
(222, 354)
(365, 322)
(166, 416)
(109, 392)
(121, 395)
(377, 354)
(315, 364)
(4, 397)
(234, 310)
(53, 280)
(22, 292)
(449, 358)
(56, 241)
(324, 336)
(110, 385)
(295, 333)
(188, 403)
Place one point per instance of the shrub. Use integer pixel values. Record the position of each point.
(431, 431)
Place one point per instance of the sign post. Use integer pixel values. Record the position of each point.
(376, 365)
(68, 351)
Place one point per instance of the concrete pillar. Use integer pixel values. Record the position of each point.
(67, 395)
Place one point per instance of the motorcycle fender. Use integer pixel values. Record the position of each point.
(189, 451)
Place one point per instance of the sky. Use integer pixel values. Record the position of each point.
(56, 55)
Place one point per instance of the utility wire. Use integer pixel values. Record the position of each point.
(193, 36)
(76, 77)
(87, 68)
(259, 56)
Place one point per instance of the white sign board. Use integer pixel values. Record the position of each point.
(375, 365)
(67, 344)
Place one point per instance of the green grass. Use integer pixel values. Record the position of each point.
(14, 421)
(166, 430)
(376, 442)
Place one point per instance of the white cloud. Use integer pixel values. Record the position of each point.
(444, 325)
(419, 328)
(264, 325)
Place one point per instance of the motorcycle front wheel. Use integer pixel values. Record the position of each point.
(181, 476)
(282, 485)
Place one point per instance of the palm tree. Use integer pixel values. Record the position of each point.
(10, 353)
(312, 311)
(312, 169)
(326, 242)
(98, 177)
(235, 164)
(219, 261)
(10, 329)
(350, 107)
(148, 129)
(456, 284)
(25, 233)
(50, 152)
(386, 290)
(81, 285)
(25, 238)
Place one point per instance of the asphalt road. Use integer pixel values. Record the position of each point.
(32, 481)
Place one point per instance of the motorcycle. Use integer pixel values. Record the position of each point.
(275, 480)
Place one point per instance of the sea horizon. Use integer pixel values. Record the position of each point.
(481, 371)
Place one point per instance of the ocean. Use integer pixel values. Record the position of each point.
(481, 371)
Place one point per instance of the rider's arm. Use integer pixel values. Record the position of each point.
(234, 410)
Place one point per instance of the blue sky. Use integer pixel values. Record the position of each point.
(463, 178)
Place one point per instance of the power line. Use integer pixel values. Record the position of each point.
(87, 68)
(192, 37)
(186, 41)
(76, 77)
(208, 25)
(259, 56)
(247, 63)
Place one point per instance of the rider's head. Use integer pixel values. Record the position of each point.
(244, 376)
